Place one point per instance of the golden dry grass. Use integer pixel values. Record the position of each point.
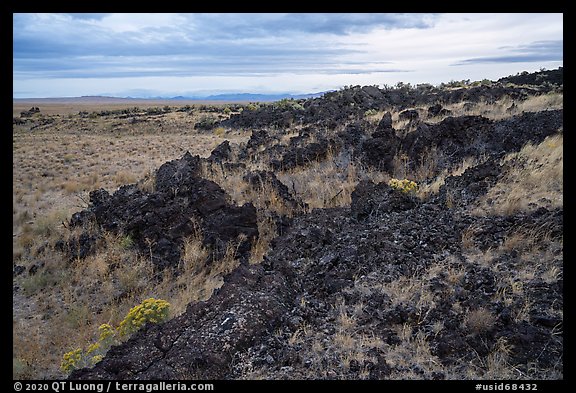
(479, 320)
(66, 302)
(73, 106)
(431, 185)
(506, 107)
(538, 257)
(319, 184)
(53, 170)
(533, 177)
(328, 183)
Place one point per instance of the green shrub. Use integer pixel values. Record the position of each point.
(126, 242)
(206, 122)
(289, 103)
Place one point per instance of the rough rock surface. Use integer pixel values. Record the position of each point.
(158, 222)
(329, 259)
(379, 150)
(300, 156)
(221, 152)
(387, 277)
(336, 107)
(201, 343)
(369, 199)
(473, 136)
(446, 143)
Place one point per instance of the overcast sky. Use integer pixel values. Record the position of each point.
(140, 55)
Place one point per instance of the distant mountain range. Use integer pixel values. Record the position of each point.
(250, 97)
(230, 97)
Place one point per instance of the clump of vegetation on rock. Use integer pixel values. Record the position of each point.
(404, 185)
(149, 311)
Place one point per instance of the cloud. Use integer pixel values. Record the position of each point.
(81, 51)
(87, 16)
(242, 25)
(537, 51)
(119, 45)
(36, 35)
(296, 62)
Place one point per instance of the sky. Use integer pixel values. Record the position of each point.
(151, 55)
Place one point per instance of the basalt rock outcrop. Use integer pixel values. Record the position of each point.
(158, 222)
(394, 269)
(329, 259)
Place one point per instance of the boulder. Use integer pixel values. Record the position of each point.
(370, 199)
(160, 221)
(221, 152)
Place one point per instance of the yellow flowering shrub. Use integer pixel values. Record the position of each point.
(106, 332)
(93, 347)
(150, 310)
(405, 185)
(71, 360)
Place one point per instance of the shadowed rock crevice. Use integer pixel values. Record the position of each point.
(261, 180)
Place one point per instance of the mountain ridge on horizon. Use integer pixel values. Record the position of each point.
(212, 97)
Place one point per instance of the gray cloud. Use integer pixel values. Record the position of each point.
(79, 35)
(112, 50)
(536, 51)
(87, 16)
(81, 45)
(243, 25)
(137, 66)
